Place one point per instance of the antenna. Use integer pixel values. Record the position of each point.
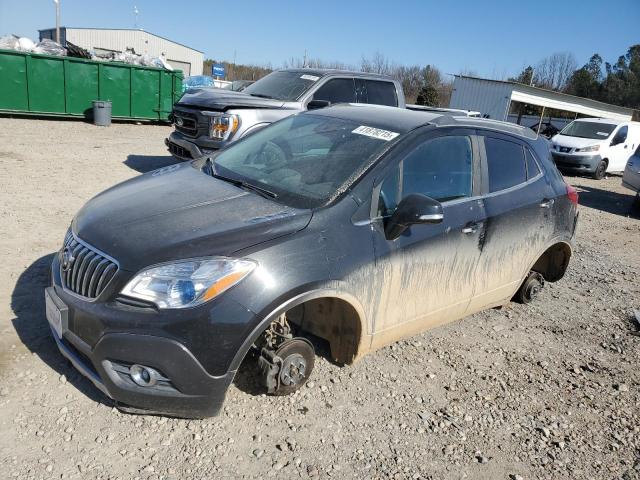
(135, 13)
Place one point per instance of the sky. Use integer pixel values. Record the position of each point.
(492, 39)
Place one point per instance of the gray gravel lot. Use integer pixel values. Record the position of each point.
(548, 390)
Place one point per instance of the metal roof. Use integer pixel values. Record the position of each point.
(125, 30)
(482, 94)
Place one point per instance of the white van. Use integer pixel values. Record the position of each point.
(595, 145)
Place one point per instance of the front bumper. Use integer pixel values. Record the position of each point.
(188, 148)
(576, 163)
(189, 392)
(192, 354)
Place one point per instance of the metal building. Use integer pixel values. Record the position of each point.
(493, 98)
(104, 40)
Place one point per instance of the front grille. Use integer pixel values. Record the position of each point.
(83, 270)
(179, 151)
(186, 123)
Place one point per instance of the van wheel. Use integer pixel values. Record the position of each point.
(530, 288)
(601, 170)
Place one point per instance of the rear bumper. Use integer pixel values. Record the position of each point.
(577, 163)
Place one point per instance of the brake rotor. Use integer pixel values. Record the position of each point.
(298, 358)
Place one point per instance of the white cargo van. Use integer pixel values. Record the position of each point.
(595, 145)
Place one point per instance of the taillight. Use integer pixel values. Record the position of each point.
(572, 193)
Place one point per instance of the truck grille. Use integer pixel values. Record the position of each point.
(83, 270)
(186, 123)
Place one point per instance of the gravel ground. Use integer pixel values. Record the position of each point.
(548, 390)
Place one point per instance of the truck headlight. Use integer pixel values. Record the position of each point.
(223, 126)
(590, 148)
(187, 283)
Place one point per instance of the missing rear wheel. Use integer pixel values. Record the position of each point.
(530, 288)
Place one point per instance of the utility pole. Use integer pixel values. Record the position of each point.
(304, 61)
(135, 14)
(57, 2)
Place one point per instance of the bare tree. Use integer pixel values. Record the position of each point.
(554, 71)
(378, 63)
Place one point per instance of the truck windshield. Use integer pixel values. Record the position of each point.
(287, 86)
(304, 160)
(588, 130)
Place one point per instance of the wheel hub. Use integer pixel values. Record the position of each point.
(293, 370)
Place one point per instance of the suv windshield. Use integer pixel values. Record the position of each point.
(304, 160)
(588, 130)
(288, 86)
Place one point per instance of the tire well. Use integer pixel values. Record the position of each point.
(334, 320)
(553, 263)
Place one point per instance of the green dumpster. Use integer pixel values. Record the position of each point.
(64, 86)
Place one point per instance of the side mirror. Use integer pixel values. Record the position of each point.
(316, 104)
(413, 209)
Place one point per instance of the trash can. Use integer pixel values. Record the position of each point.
(102, 113)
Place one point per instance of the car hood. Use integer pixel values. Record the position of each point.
(576, 142)
(179, 212)
(220, 99)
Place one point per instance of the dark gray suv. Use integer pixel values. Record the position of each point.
(350, 225)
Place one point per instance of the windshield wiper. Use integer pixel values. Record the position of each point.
(241, 184)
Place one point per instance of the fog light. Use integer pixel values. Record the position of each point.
(143, 376)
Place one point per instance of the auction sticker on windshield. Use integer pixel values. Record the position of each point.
(313, 78)
(378, 133)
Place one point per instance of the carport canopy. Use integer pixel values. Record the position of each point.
(493, 99)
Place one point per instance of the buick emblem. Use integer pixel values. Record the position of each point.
(179, 121)
(67, 259)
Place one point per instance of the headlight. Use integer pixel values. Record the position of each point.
(222, 127)
(187, 283)
(590, 148)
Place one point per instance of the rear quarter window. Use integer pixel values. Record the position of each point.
(381, 93)
(506, 164)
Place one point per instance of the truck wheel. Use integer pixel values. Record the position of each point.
(530, 288)
(636, 203)
(601, 170)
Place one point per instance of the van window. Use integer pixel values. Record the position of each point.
(338, 90)
(594, 130)
(621, 135)
(506, 164)
(381, 93)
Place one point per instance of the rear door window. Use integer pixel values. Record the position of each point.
(337, 90)
(381, 93)
(505, 162)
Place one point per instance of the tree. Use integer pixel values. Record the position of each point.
(428, 96)
(554, 71)
(378, 63)
(525, 76)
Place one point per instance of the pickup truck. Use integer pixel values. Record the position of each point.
(207, 120)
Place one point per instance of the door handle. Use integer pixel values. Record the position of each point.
(470, 228)
(547, 203)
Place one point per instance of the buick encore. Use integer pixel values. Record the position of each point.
(352, 226)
